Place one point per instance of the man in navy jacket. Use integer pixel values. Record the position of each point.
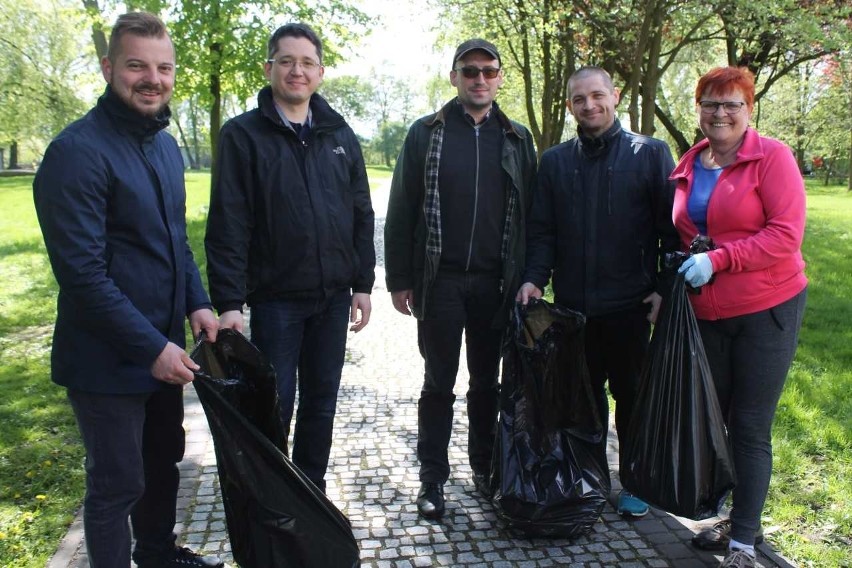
(110, 199)
(600, 225)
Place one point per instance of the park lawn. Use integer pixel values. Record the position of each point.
(41, 458)
(379, 176)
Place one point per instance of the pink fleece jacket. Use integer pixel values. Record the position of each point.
(756, 216)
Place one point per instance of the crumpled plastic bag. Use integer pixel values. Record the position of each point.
(276, 517)
(549, 467)
(678, 457)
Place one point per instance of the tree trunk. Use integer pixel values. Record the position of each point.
(215, 108)
(827, 163)
(652, 72)
(193, 160)
(193, 123)
(13, 155)
(98, 36)
(635, 79)
(849, 164)
(553, 38)
(682, 143)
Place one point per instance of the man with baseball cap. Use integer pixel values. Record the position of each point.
(454, 252)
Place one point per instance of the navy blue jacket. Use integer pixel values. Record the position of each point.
(111, 203)
(602, 221)
(289, 218)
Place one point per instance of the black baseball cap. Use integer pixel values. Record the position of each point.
(474, 44)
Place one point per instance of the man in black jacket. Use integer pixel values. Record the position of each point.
(600, 224)
(454, 246)
(110, 199)
(290, 232)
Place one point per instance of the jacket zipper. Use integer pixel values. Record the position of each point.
(475, 201)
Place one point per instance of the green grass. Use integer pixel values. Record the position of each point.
(41, 459)
(812, 479)
(41, 475)
(379, 176)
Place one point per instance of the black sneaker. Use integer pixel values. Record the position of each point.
(718, 536)
(430, 500)
(185, 558)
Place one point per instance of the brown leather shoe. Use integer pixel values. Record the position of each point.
(430, 500)
(718, 536)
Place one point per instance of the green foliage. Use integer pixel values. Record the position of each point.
(640, 44)
(537, 42)
(221, 46)
(349, 95)
(42, 71)
(388, 142)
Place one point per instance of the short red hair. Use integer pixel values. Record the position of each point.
(725, 80)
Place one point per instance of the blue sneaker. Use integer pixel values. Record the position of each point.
(630, 505)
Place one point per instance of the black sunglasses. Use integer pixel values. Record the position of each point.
(472, 71)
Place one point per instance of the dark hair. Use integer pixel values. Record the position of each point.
(591, 70)
(293, 30)
(726, 79)
(140, 24)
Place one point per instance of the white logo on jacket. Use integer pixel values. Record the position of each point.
(339, 150)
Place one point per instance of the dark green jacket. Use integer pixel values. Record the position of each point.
(407, 265)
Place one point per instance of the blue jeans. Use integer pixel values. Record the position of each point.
(305, 340)
(749, 357)
(458, 302)
(133, 443)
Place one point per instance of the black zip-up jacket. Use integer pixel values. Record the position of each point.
(288, 219)
(601, 220)
(408, 265)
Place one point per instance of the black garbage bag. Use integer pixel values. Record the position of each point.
(276, 517)
(678, 457)
(549, 468)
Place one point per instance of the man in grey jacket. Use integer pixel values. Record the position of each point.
(454, 250)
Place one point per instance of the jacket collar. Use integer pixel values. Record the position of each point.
(596, 146)
(323, 117)
(130, 121)
(750, 150)
(505, 123)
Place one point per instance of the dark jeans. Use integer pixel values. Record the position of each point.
(616, 346)
(133, 443)
(458, 302)
(749, 357)
(305, 340)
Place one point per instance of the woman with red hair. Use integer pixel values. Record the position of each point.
(745, 192)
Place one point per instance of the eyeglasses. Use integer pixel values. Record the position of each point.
(287, 63)
(472, 71)
(710, 107)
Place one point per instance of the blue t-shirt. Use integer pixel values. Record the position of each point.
(703, 182)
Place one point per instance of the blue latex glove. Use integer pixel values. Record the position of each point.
(698, 269)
